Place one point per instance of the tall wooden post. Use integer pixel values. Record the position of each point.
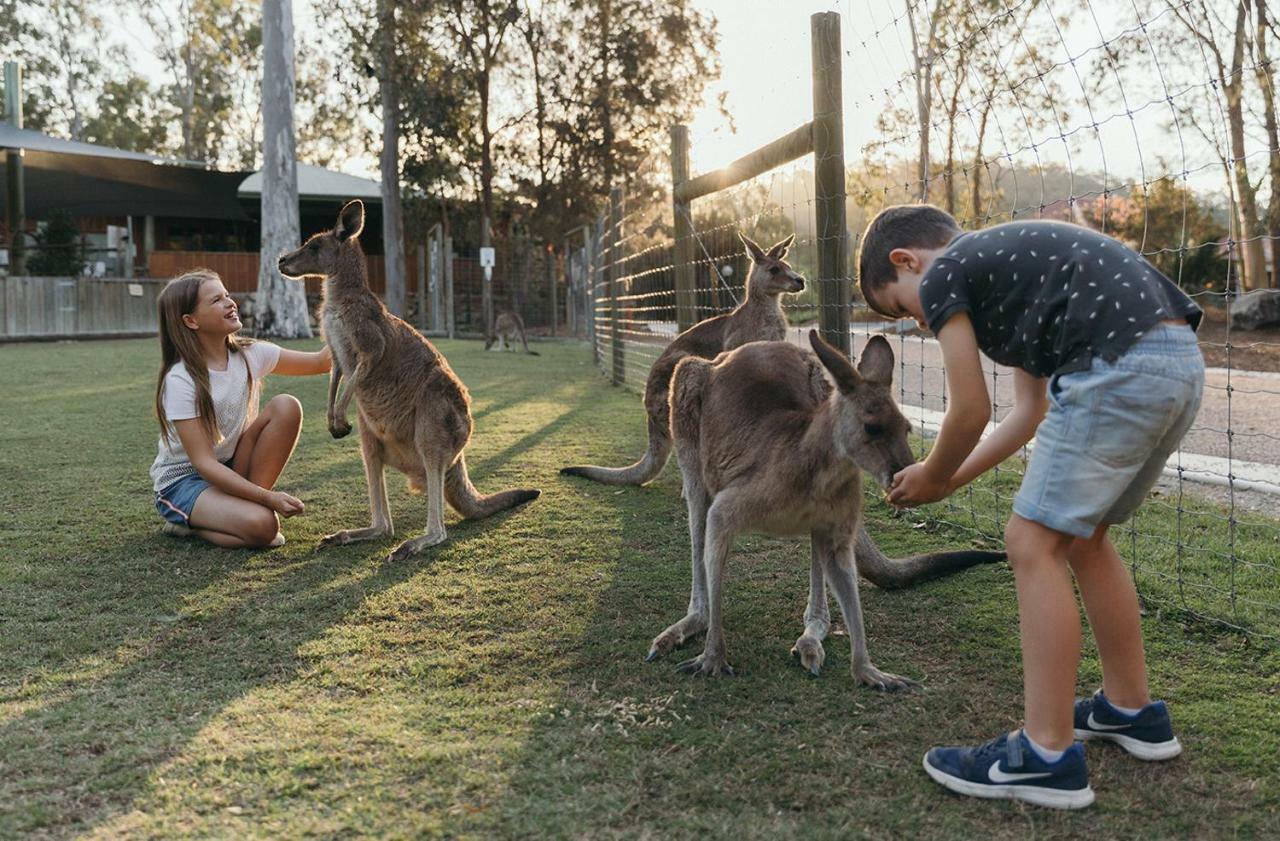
(446, 257)
(422, 287)
(15, 205)
(613, 272)
(551, 284)
(686, 296)
(828, 177)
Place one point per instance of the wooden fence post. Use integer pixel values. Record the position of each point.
(613, 270)
(422, 287)
(551, 283)
(446, 258)
(686, 300)
(828, 177)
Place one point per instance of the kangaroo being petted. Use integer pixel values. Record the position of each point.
(766, 444)
(414, 413)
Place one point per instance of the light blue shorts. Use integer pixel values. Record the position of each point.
(1109, 432)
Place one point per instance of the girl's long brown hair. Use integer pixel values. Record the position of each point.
(178, 342)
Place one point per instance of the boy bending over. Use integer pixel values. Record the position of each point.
(1107, 377)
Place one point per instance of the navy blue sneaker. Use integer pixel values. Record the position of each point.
(1147, 735)
(1008, 767)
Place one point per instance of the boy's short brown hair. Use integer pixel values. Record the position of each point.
(900, 226)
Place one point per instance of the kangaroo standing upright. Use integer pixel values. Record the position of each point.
(766, 444)
(414, 412)
(757, 319)
(508, 327)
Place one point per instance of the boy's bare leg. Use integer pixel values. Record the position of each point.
(1049, 619)
(1112, 605)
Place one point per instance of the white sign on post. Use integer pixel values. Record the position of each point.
(487, 258)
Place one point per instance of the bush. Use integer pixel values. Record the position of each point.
(58, 251)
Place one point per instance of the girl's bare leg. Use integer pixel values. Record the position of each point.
(266, 444)
(231, 522)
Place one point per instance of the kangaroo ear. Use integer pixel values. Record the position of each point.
(876, 362)
(350, 221)
(780, 250)
(754, 251)
(841, 369)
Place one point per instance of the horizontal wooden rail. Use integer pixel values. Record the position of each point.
(785, 149)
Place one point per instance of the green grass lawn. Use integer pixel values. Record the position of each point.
(494, 686)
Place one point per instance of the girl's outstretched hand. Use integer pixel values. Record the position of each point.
(284, 504)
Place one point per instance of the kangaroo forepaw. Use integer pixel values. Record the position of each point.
(869, 675)
(339, 428)
(707, 665)
(811, 654)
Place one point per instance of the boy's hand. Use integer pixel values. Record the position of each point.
(916, 485)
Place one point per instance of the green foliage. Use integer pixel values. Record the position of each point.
(1176, 229)
(58, 251)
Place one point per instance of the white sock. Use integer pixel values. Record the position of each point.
(1127, 711)
(1043, 752)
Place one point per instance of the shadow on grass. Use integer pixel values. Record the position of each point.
(96, 744)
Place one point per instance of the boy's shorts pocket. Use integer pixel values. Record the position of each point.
(1129, 417)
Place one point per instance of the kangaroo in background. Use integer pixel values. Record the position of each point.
(758, 318)
(507, 327)
(766, 444)
(414, 412)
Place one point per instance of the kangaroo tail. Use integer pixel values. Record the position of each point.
(463, 496)
(643, 471)
(891, 573)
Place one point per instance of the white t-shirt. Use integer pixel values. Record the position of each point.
(235, 404)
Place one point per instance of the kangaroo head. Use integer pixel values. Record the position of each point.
(770, 273)
(869, 429)
(319, 254)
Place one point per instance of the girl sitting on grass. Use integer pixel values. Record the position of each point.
(219, 456)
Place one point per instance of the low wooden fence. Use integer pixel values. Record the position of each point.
(77, 307)
(239, 269)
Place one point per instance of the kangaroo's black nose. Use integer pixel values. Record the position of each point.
(799, 284)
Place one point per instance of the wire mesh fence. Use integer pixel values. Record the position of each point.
(1151, 122)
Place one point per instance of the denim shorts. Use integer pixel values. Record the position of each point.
(176, 502)
(1109, 432)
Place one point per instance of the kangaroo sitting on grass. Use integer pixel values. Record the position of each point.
(508, 327)
(758, 319)
(766, 444)
(414, 412)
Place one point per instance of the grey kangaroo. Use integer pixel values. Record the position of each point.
(414, 413)
(759, 318)
(508, 327)
(766, 444)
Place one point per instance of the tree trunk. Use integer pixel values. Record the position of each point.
(952, 108)
(606, 93)
(1251, 231)
(486, 195)
(392, 212)
(281, 306)
(975, 197)
(1267, 82)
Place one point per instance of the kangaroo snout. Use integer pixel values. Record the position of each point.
(798, 284)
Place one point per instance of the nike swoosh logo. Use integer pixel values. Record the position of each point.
(1094, 724)
(998, 776)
